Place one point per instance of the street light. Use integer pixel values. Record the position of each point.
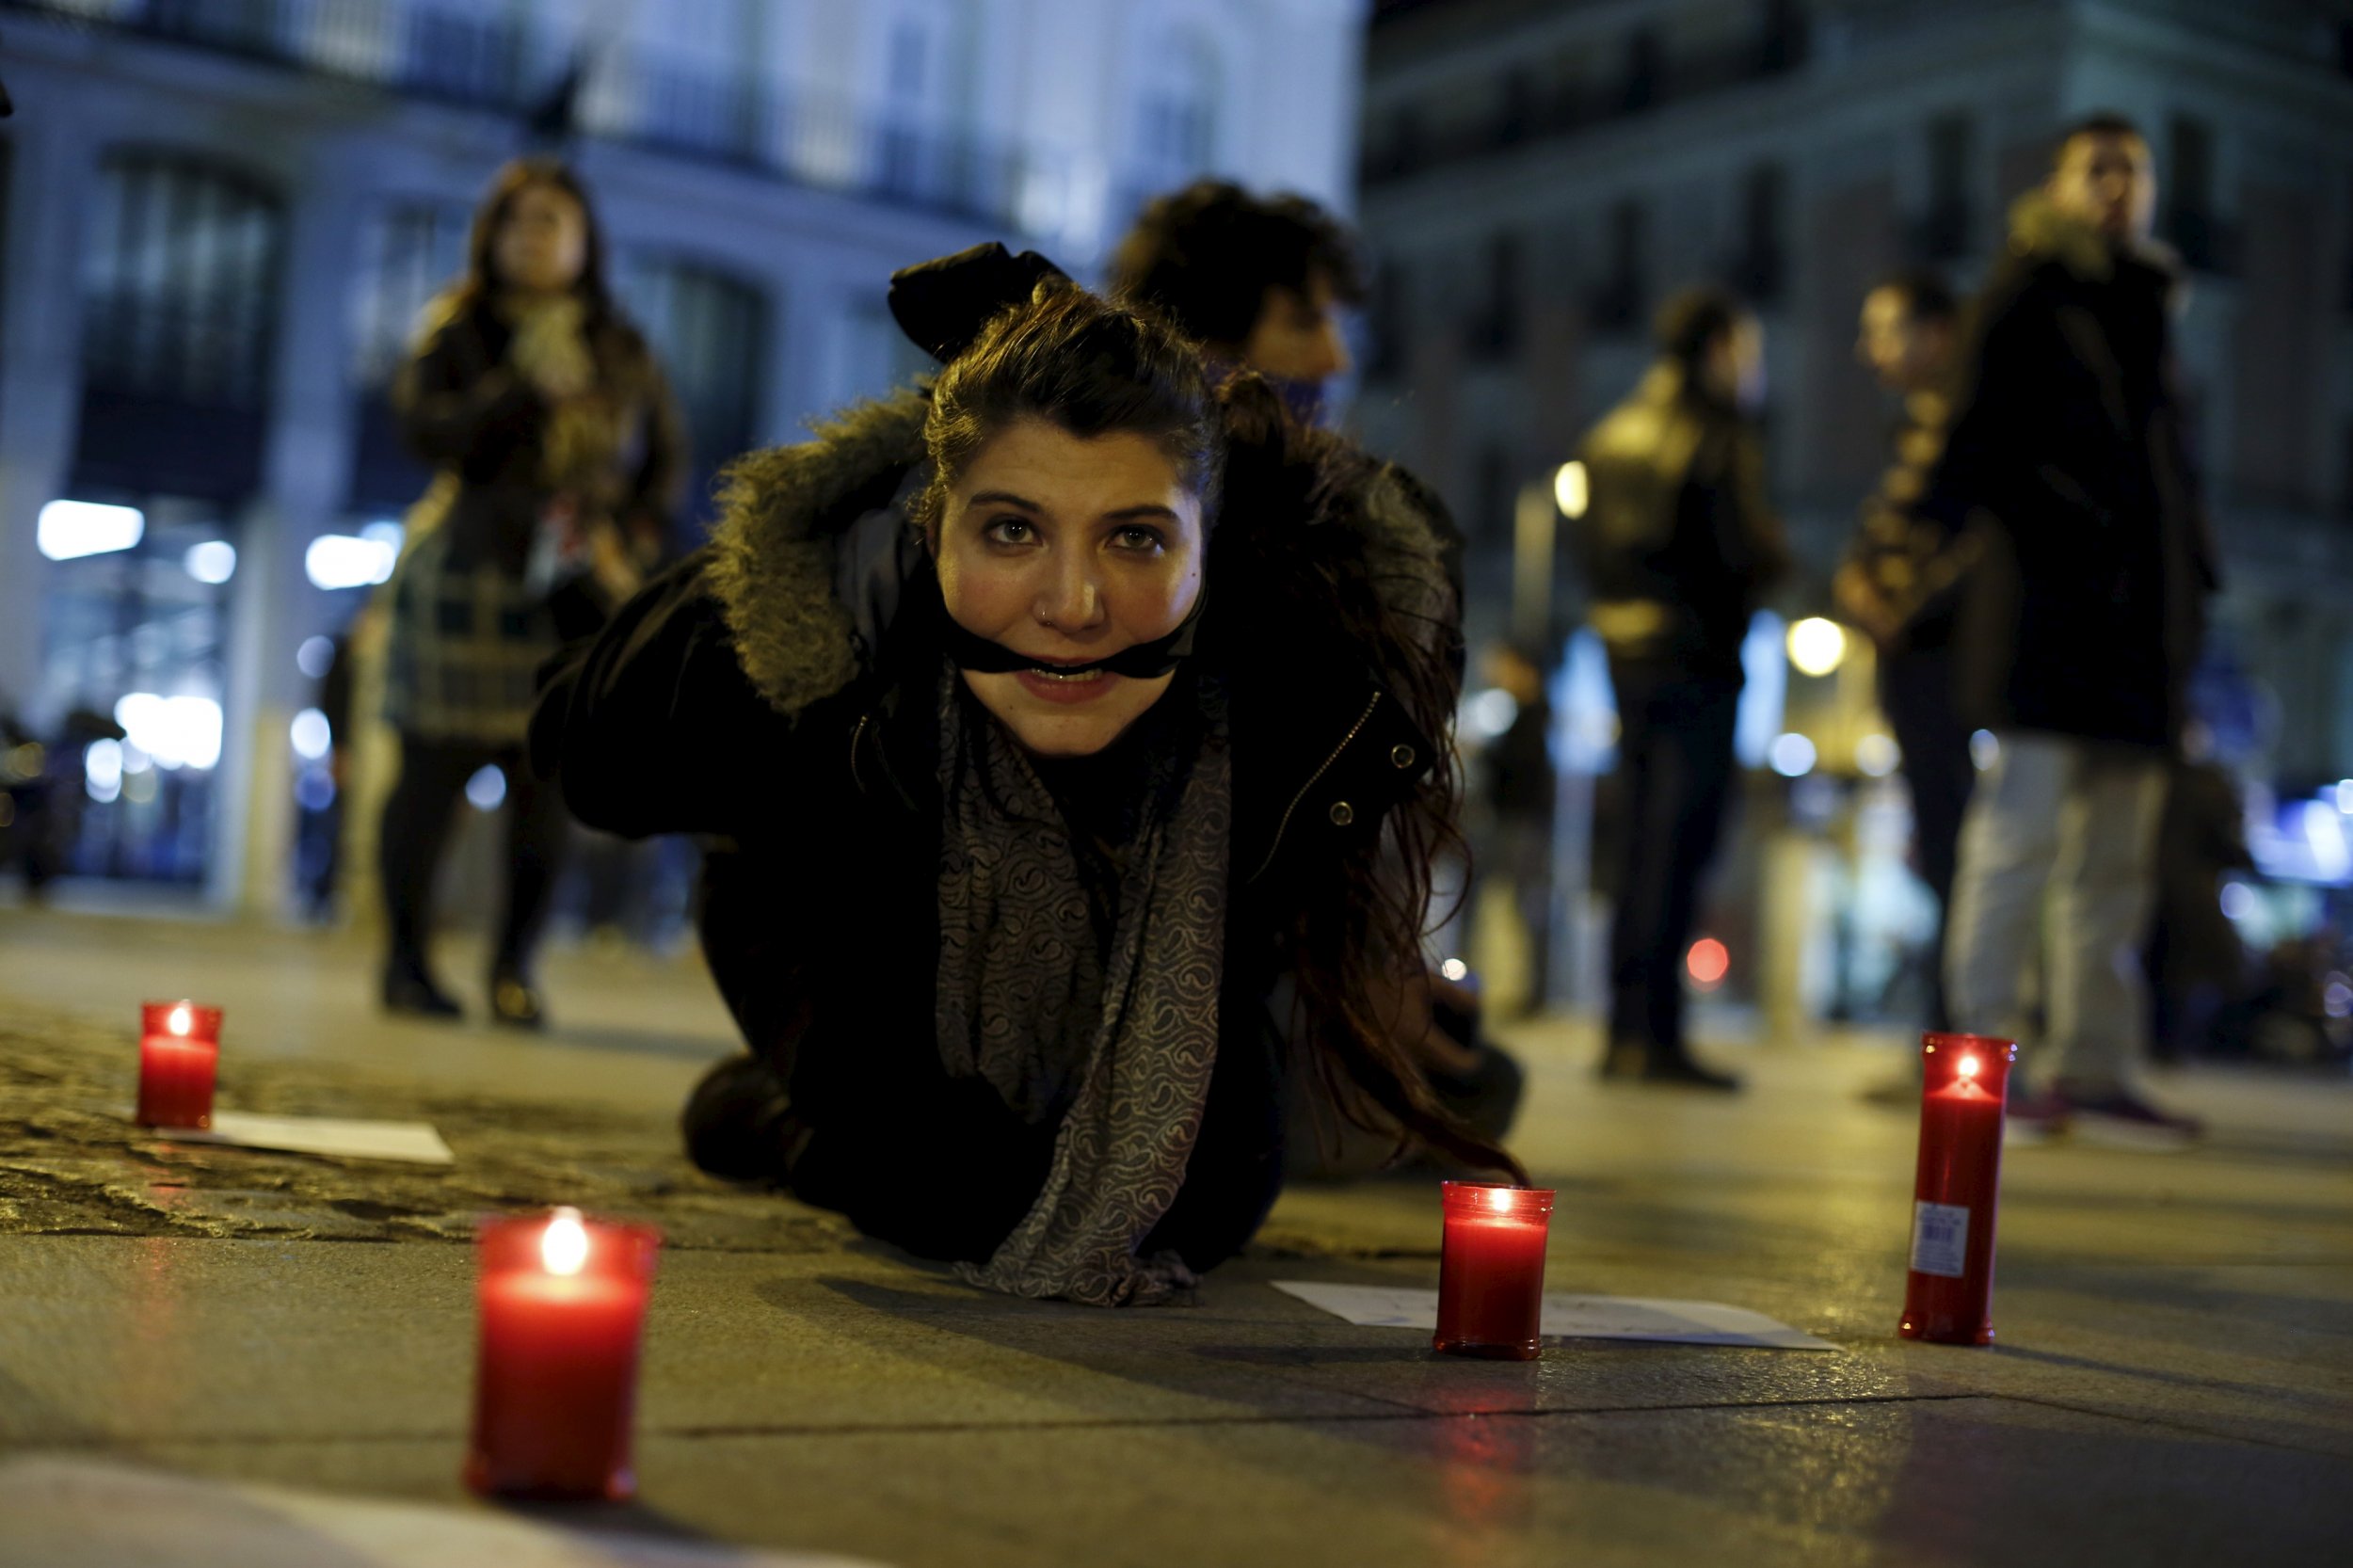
(1816, 645)
(1569, 490)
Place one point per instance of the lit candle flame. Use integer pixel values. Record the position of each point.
(1499, 1197)
(180, 1021)
(1968, 1066)
(564, 1246)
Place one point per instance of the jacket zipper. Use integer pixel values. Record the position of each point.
(1284, 826)
(858, 734)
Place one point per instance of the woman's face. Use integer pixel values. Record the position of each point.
(542, 243)
(1068, 549)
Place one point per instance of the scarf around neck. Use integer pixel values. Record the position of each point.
(1104, 1008)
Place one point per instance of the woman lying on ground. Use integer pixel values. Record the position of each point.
(1033, 807)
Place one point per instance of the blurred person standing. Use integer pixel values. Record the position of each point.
(556, 444)
(2080, 621)
(1515, 773)
(1900, 582)
(1259, 281)
(1678, 546)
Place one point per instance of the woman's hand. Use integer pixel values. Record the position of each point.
(612, 564)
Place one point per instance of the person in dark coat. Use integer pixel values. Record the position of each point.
(558, 452)
(1678, 545)
(1055, 723)
(2080, 620)
(1900, 582)
(1259, 281)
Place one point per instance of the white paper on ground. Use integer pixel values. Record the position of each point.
(1568, 1317)
(64, 1512)
(415, 1141)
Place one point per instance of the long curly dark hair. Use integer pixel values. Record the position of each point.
(1303, 578)
(1310, 577)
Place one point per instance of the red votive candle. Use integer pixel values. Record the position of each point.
(555, 1390)
(1491, 1270)
(179, 1052)
(1948, 1295)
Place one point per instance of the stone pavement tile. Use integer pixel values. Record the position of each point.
(109, 1338)
(1943, 1481)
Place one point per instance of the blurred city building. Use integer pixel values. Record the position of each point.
(1537, 177)
(219, 218)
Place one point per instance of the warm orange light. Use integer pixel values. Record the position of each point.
(1710, 961)
(180, 1020)
(1499, 1197)
(1968, 1066)
(565, 1247)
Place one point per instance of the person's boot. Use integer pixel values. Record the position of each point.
(409, 990)
(739, 1122)
(515, 1002)
(1675, 1069)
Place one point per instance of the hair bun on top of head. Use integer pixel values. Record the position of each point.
(942, 304)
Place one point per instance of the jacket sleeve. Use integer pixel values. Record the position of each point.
(653, 728)
(458, 413)
(1996, 393)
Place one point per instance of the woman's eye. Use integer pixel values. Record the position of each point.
(1136, 537)
(1010, 531)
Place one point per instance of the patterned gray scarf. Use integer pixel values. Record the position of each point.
(1033, 999)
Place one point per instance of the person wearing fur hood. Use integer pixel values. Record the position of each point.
(2067, 474)
(1049, 723)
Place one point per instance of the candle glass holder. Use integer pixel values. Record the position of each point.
(563, 1309)
(1491, 1270)
(178, 1057)
(1949, 1293)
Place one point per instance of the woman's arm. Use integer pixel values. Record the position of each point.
(458, 412)
(651, 727)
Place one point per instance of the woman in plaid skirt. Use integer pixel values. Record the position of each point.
(558, 452)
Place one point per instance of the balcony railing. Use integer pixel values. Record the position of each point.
(449, 52)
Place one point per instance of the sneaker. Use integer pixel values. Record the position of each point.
(2123, 1119)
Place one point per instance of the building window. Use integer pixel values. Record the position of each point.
(2189, 184)
(1179, 130)
(1944, 234)
(1763, 263)
(414, 251)
(709, 330)
(1515, 110)
(1781, 37)
(1387, 323)
(1618, 304)
(1645, 67)
(1494, 496)
(179, 281)
(1495, 331)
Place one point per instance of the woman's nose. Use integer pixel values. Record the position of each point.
(1071, 600)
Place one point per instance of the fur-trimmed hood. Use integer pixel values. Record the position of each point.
(775, 552)
(813, 543)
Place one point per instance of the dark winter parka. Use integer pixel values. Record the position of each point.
(776, 691)
(1678, 543)
(2066, 463)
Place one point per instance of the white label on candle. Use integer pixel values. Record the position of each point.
(1940, 1238)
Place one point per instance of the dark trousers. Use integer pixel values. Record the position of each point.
(1675, 761)
(1916, 695)
(416, 830)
